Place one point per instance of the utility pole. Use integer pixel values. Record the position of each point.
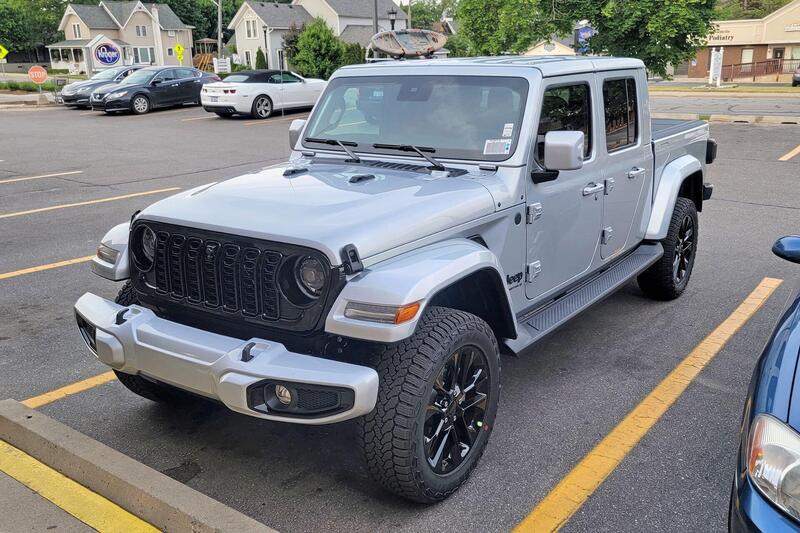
(375, 17)
(219, 29)
(408, 22)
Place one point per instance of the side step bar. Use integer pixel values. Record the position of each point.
(532, 326)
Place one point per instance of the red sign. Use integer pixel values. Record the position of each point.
(37, 74)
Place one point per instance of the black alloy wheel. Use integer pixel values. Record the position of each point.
(684, 249)
(456, 409)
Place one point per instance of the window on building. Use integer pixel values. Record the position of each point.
(76, 31)
(566, 108)
(55, 55)
(141, 31)
(248, 58)
(77, 53)
(171, 33)
(143, 56)
(250, 27)
(747, 55)
(619, 101)
(169, 52)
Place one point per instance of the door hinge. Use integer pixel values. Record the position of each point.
(532, 270)
(534, 212)
(609, 186)
(608, 233)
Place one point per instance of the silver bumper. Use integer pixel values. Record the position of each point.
(139, 342)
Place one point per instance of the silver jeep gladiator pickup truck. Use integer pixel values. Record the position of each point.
(432, 214)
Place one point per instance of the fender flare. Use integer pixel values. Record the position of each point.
(672, 178)
(116, 238)
(415, 276)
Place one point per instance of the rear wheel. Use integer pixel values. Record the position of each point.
(436, 405)
(145, 388)
(140, 104)
(262, 107)
(667, 278)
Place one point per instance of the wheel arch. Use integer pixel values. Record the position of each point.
(443, 274)
(682, 177)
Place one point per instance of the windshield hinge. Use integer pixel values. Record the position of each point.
(534, 212)
(351, 260)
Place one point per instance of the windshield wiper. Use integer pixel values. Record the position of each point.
(410, 148)
(334, 142)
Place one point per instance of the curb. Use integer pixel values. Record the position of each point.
(152, 496)
(732, 119)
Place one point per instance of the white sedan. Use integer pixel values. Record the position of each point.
(259, 93)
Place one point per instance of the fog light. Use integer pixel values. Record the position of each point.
(283, 394)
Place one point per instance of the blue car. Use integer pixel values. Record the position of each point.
(766, 489)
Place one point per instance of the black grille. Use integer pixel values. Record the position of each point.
(218, 274)
(316, 400)
(239, 282)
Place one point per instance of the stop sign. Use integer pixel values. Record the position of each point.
(37, 74)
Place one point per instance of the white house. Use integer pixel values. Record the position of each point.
(263, 24)
(119, 33)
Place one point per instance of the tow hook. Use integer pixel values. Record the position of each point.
(120, 318)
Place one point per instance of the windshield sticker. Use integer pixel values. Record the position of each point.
(508, 129)
(497, 147)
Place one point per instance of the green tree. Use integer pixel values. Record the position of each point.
(746, 9)
(290, 39)
(319, 52)
(352, 54)
(261, 59)
(424, 13)
(480, 20)
(657, 32)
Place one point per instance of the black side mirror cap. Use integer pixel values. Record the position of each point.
(542, 176)
(788, 248)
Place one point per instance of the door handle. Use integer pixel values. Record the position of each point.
(635, 172)
(593, 188)
(174, 85)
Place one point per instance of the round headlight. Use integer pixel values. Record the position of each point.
(310, 276)
(143, 247)
(149, 243)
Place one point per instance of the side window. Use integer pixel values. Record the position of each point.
(621, 112)
(565, 108)
(184, 73)
(275, 78)
(290, 78)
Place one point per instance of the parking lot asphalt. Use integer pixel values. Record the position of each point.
(558, 400)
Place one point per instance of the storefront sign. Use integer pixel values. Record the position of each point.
(721, 36)
(792, 27)
(107, 54)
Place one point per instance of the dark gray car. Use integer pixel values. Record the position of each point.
(77, 94)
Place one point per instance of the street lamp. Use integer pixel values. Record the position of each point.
(392, 16)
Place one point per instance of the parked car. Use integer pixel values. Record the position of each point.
(796, 78)
(259, 93)
(430, 213)
(766, 488)
(152, 87)
(78, 93)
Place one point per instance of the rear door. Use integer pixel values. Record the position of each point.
(190, 84)
(626, 158)
(564, 215)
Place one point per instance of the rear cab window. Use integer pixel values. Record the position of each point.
(621, 113)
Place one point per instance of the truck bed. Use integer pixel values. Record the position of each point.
(666, 127)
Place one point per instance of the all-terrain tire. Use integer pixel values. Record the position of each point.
(391, 436)
(660, 281)
(145, 388)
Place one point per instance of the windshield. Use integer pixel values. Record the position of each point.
(108, 74)
(237, 78)
(460, 117)
(139, 77)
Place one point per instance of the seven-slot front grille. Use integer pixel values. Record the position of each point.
(218, 274)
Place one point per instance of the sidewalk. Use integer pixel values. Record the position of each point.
(23, 509)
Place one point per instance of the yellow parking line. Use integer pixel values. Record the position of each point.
(790, 155)
(31, 270)
(89, 507)
(53, 175)
(580, 483)
(69, 390)
(88, 113)
(88, 202)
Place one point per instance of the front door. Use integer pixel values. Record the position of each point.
(565, 214)
(167, 90)
(626, 158)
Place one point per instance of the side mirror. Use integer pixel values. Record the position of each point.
(788, 248)
(563, 150)
(154, 83)
(295, 129)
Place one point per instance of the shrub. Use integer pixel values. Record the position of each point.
(353, 54)
(319, 52)
(261, 60)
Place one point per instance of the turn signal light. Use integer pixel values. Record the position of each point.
(406, 313)
(384, 314)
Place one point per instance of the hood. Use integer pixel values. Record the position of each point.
(87, 84)
(321, 208)
(106, 87)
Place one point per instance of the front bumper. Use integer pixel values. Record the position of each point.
(118, 104)
(751, 512)
(75, 99)
(136, 341)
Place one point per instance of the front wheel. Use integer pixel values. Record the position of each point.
(437, 401)
(667, 278)
(262, 107)
(140, 105)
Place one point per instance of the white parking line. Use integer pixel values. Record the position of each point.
(197, 118)
(55, 174)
